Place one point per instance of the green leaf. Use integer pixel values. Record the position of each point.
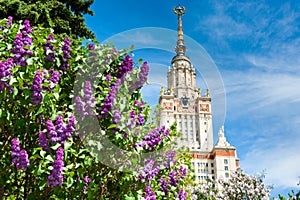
(55, 147)
(42, 153)
(29, 61)
(12, 80)
(49, 157)
(40, 110)
(70, 182)
(40, 170)
(112, 126)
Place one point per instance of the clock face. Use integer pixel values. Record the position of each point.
(185, 101)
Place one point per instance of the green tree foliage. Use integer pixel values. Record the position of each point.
(52, 91)
(64, 16)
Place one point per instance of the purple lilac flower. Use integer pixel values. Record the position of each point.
(85, 105)
(139, 105)
(51, 131)
(56, 178)
(69, 130)
(169, 158)
(149, 194)
(54, 77)
(126, 66)
(141, 80)
(154, 138)
(116, 117)
(66, 51)
(49, 49)
(59, 132)
(164, 185)
(80, 110)
(109, 100)
(60, 129)
(182, 195)
(20, 157)
(9, 22)
(27, 29)
(147, 174)
(91, 46)
(43, 142)
(22, 39)
(87, 181)
(5, 72)
(36, 88)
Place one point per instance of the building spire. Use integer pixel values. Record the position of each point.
(180, 49)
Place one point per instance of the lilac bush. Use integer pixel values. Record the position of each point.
(38, 71)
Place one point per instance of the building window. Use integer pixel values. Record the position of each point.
(205, 131)
(213, 178)
(174, 107)
(204, 123)
(212, 171)
(206, 164)
(227, 175)
(167, 121)
(212, 164)
(226, 168)
(225, 161)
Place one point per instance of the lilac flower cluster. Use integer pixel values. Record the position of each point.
(5, 72)
(148, 193)
(43, 142)
(109, 100)
(125, 67)
(141, 80)
(135, 119)
(91, 47)
(85, 106)
(60, 132)
(116, 117)
(49, 49)
(20, 157)
(182, 195)
(54, 76)
(66, 49)
(9, 22)
(169, 158)
(87, 181)
(139, 105)
(56, 178)
(154, 138)
(37, 88)
(22, 39)
(148, 173)
(173, 179)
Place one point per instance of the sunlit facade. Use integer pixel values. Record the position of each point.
(182, 102)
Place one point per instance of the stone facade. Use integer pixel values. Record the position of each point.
(184, 104)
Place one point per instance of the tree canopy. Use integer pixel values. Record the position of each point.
(64, 16)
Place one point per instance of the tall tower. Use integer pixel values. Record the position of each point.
(183, 103)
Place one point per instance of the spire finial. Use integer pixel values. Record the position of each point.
(180, 48)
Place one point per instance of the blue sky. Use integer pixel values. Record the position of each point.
(255, 46)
